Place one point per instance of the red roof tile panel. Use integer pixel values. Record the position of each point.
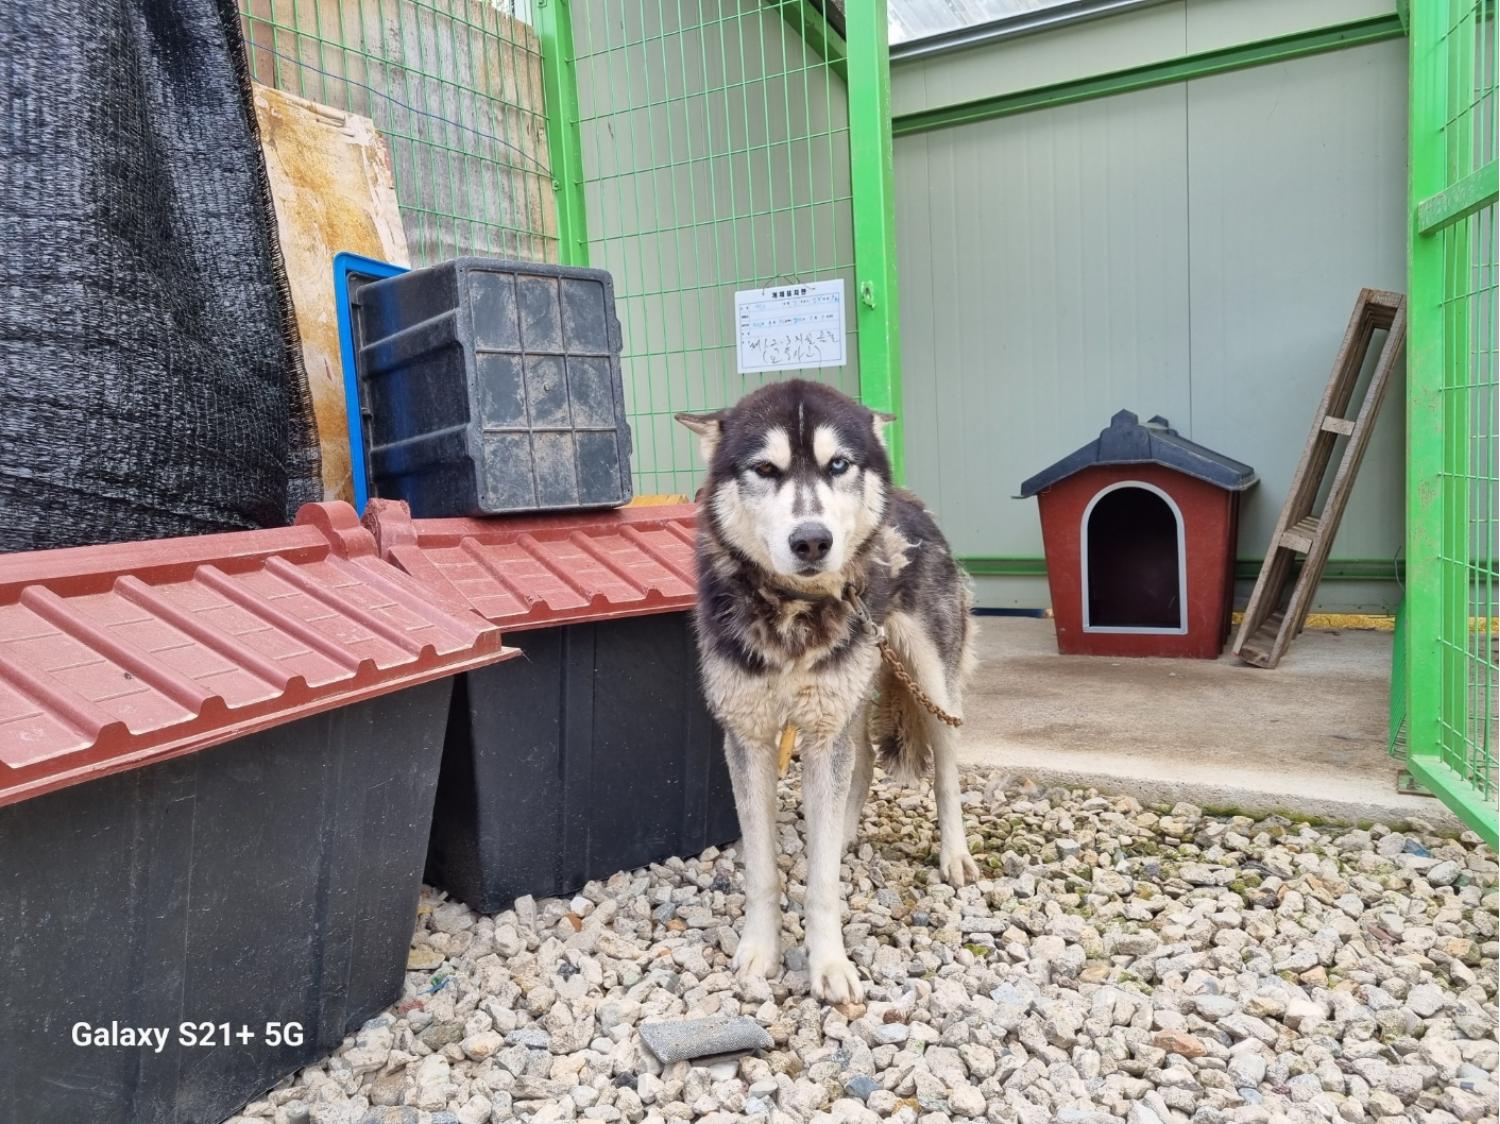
(114, 656)
(544, 570)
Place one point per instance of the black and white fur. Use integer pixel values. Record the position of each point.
(798, 510)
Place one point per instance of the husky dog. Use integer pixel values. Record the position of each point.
(805, 551)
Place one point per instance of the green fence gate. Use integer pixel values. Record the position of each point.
(705, 147)
(1453, 449)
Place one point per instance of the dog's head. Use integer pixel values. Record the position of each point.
(798, 478)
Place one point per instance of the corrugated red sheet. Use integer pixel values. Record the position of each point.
(545, 570)
(116, 656)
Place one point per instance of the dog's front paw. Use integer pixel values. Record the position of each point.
(958, 867)
(756, 957)
(834, 980)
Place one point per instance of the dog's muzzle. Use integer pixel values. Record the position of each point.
(810, 543)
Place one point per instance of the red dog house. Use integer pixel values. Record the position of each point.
(1140, 529)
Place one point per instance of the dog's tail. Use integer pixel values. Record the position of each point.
(898, 729)
(901, 729)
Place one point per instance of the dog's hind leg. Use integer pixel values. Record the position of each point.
(926, 666)
(954, 860)
(864, 771)
(752, 772)
(826, 773)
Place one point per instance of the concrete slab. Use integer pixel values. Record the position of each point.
(1307, 738)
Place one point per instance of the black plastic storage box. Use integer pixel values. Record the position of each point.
(218, 757)
(491, 387)
(595, 752)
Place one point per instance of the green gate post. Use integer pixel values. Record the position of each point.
(872, 186)
(554, 29)
(1424, 399)
(1439, 366)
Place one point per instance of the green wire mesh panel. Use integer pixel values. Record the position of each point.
(715, 157)
(1455, 389)
(455, 87)
(1469, 493)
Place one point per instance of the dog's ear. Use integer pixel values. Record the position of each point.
(881, 422)
(709, 428)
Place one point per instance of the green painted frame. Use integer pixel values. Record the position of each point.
(872, 183)
(1444, 193)
(861, 58)
(1356, 33)
(554, 29)
(807, 20)
(554, 23)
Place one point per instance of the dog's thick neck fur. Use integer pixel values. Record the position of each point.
(763, 622)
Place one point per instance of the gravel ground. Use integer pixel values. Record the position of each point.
(1117, 963)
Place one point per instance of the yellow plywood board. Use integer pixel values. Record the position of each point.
(1364, 622)
(658, 500)
(331, 181)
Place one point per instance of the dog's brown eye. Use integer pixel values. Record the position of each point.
(765, 469)
(838, 466)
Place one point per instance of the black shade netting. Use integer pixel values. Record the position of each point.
(148, 385)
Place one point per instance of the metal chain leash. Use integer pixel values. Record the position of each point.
(888, 654)
(898, 669)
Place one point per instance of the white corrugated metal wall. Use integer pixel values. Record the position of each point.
(1191, 250)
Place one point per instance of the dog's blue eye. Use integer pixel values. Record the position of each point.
(838, 466)
(765, 469)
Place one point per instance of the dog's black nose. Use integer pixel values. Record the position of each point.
(811, 542)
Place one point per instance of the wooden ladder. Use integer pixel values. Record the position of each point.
(1272, 619)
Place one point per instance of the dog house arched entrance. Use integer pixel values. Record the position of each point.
(1133, 561)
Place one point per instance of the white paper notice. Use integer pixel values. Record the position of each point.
(791, 326)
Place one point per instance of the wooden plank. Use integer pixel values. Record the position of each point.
(659, 500)
(1343, 479)
(1256, 650)
(1266, 629)
(1303, 492)
(331, 181)
(1301, 535)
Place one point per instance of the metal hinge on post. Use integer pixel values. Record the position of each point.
(867, 293)
(1408, 785)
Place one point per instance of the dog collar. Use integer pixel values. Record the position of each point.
(810, 598)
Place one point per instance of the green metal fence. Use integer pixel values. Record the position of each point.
(704, 147)
(1453, 440)
(454, 86)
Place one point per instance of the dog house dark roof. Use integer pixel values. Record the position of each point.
(1127, 441)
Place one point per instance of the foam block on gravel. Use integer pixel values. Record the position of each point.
(697, 1038)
